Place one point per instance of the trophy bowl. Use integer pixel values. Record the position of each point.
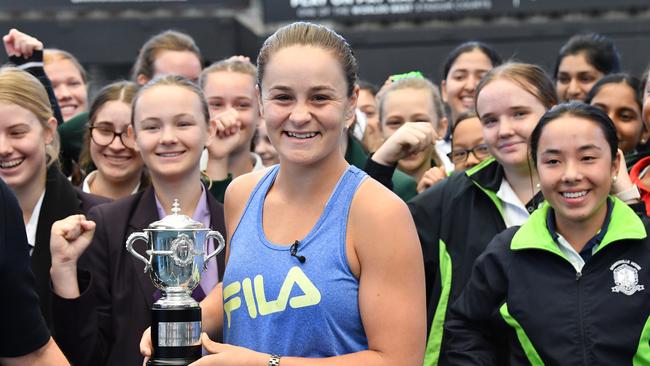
(176, 260)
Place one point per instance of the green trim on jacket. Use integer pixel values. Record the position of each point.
(642, 356)
(477, 168)
(472, 172)
(432, 352)
(534, 233)
(524, 341)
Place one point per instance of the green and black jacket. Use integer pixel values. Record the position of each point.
(524, 289)
(456, 219)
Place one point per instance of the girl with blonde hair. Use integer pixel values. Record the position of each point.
(104, 293)
(29, 147)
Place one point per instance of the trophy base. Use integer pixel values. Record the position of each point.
(175, 356)
(176, 336)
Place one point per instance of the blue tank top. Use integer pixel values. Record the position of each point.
(273, 303)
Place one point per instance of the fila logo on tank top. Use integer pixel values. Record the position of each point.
(255, 297)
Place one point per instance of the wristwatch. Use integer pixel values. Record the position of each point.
(274, 361)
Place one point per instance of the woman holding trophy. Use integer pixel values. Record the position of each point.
(324, 265)
(103, 300)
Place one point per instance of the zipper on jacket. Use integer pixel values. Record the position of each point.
(580, 320)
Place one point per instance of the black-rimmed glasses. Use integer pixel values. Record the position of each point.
(103, 136)
(461, 155)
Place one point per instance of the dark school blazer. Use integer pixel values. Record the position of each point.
(61, 200)
(105, 324)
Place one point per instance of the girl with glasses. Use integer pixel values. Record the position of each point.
(468, 147)
(108, 148)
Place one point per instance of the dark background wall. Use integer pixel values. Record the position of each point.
(108, 45)
(382, 53)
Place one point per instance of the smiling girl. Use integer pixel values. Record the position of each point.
(107, 146)
(229, 86)
(619, 96)
(463, 69)
(104, 297)
(411, 117)
(68, 79)
(29, 148)
(583, 252)
(582, 61)
(468, 146)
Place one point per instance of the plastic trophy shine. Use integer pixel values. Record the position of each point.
(177, 255)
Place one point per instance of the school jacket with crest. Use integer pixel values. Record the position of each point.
(523, 287)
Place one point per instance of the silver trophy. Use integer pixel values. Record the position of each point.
(177, 256)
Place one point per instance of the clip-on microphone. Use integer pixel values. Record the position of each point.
(294, 252)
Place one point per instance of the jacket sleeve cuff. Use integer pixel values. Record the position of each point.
(36, 60)
(381, 173)
(73, 313)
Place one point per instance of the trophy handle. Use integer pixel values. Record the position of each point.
(129, 247)
(222, 244)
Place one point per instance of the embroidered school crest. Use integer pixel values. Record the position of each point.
(626, 277)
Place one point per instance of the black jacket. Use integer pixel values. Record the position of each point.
(455, 220)
(61, 200)
(525, 289)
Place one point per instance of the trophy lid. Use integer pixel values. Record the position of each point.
(176, 221)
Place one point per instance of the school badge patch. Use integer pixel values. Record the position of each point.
(626, 277)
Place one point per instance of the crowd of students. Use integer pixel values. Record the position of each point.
(487, 220)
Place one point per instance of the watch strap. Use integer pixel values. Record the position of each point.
(274, 360)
